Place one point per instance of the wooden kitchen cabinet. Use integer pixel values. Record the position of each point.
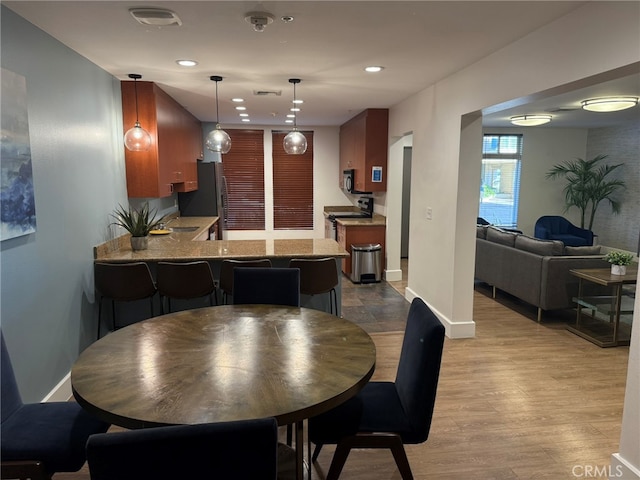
(359, 234)
(170, 164)
(363, 146)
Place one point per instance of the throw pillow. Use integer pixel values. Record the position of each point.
(495, 234)
(538, 246)
(595, 250)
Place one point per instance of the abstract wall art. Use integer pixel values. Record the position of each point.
(17, 202)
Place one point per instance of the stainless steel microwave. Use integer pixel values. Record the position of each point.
(348, 180)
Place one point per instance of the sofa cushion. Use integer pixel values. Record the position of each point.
(594, 250)
(497, 235)
(481, 231)
(538, 246)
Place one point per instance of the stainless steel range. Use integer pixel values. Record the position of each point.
(365, 205)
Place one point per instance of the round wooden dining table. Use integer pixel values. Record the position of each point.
(225, 363)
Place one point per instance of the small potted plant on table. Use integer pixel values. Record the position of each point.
(138, 223)
(619, 261)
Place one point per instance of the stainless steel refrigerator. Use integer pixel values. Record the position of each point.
(209, 199)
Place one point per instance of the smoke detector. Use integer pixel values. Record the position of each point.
(157, 17)
(259, 20)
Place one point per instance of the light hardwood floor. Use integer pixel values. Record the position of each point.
(521, 400)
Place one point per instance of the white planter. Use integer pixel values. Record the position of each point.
(618, 269)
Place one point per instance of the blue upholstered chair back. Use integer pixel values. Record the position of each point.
(11, 400)
(275, 286)
(419, 366)
(555, 227)
(228, 450)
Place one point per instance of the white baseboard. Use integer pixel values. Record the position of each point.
(61, 392)
(452, 329)
(622, 470)
(393, 275)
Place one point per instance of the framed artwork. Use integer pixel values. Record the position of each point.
(17, 202)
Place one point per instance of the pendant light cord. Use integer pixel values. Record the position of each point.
(295, 113)
(135, 87)
(217, 111)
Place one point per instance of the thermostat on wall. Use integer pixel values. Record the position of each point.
(376, 174)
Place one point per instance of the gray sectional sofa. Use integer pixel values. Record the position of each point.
(533, 270)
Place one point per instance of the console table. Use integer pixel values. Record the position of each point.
(602, 326)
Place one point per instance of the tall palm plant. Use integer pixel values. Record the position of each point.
(588, 185)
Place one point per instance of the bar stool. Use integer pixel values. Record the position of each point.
(226, 273)
(123, 282)
(318, 276)
(185, 281)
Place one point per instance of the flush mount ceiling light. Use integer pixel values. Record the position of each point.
(137, 139)
(609, 104)
(187, 63)
(530, 120)
(295, 143)
(157, 17)
(259, 20)
(218, 140)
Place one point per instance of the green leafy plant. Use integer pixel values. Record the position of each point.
(619, 258)
(137, 222)
(588, 185)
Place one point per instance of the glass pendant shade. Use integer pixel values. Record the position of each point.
(137, 139)
(218, 140)
(295, 143)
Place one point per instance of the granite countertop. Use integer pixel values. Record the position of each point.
(376, 221)
(182, 246)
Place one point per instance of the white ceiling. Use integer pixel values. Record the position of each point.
(327, 45)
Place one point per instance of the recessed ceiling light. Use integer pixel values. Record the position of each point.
(298, 101)
(288, 121)
(237, 100)
(290, 115)
(187, 63)
(241, 108)
(294, 109)
(373, 69)
(609, 104)
(246, 120)
(530, 120)
(244, 114)
(287, 18)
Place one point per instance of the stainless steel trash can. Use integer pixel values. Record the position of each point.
(366, 263)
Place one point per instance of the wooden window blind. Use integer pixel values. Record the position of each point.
(292, 186)
(244, 180)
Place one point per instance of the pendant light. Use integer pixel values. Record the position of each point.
(295, 142)
(137, 139)
(218, 140)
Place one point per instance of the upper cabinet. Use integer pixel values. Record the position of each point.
(170, 164)
(363, 148)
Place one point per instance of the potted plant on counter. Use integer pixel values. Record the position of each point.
(138, 222)
(619, 261)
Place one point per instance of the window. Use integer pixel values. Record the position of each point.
(244, 180)
(500, 179)
(292, 186)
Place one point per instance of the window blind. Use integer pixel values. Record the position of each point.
(292, 186)
(244, 178)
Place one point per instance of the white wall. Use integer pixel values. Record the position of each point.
(326, 189)
(445, 174)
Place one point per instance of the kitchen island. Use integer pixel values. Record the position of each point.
(188, 243)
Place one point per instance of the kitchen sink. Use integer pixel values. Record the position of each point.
(184, 229)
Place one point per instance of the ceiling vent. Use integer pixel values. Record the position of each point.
(157, 17)
(266, 93)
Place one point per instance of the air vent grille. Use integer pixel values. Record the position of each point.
(158, 17)
(265, 93)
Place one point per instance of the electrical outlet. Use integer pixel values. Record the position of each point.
(429, 213)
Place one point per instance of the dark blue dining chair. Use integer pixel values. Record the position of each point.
(273, 286)
(389, 414)
(241, 449)
(40, 439)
